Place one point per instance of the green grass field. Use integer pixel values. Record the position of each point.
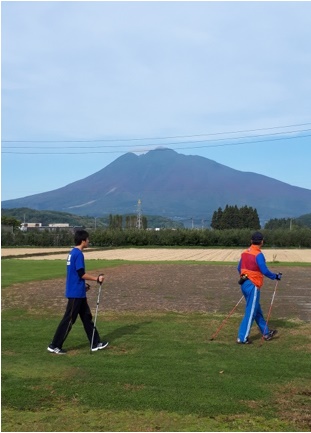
(160, 372)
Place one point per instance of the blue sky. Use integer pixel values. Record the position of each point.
(230, 81)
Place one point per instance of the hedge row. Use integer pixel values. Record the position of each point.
(284, 238)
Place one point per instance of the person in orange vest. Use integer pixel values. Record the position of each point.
(252, 269)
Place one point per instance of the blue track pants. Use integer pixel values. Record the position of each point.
(252, 311)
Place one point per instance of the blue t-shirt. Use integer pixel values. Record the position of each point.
(75, 286)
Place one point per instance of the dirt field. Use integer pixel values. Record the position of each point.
(164, 254)
(168, 287)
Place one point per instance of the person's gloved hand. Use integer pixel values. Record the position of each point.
(278, 276)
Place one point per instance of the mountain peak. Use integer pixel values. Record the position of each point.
(171, 184)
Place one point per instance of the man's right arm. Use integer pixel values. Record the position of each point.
(261, 262)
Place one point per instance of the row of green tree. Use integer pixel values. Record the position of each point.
(284, 223)
(14, 217)
(234, 218)
(230, 217)
(298, 238)
(117, 222)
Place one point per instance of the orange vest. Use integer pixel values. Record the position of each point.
(250, 267)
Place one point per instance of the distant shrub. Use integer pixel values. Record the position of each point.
(281, 238)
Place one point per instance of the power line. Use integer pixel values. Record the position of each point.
(156, 138)
(153, 144)
(144, 150)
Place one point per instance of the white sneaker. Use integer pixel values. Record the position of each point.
(57, 350)
(100, 346)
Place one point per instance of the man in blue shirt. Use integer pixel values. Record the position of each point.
(77, 304)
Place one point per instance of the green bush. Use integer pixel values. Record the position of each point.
(280, 238)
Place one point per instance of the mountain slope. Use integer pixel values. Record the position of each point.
(171, 184)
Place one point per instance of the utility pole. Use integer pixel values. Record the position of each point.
(139, 217)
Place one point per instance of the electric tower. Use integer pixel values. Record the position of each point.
(139, 223)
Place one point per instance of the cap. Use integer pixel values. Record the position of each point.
(257, 237)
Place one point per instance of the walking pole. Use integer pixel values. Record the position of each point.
(269, 312)
(224, 321)
(97, 304)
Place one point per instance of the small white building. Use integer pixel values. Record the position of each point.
(51, 227)
(25, 226)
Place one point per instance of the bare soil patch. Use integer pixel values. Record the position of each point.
(162, 254)
(204, 288)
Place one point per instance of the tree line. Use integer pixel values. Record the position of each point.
(231, 227)
(107, 238)
(228, 218)
(116, 222)
(234, 218)
(17, 215)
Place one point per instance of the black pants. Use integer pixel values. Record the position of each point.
(75, 307)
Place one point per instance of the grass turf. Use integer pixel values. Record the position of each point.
(160, 373)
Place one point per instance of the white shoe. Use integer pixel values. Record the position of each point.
(57, 350)
(100, 346)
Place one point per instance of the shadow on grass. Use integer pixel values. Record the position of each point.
(117, 333)
(275, 324)
(125, 330)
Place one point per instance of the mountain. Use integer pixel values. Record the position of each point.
(172, 185)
